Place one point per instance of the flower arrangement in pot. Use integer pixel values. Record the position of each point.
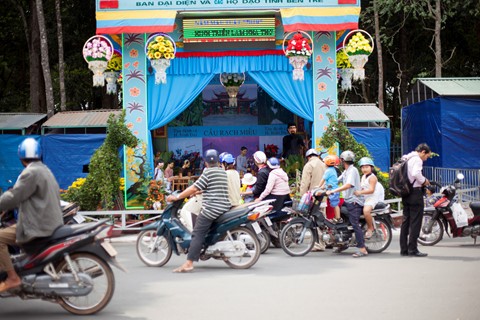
(112, 72)
(345, 70)
(160, 49)
(299, 49)
(358, 49)
(232, 83)
(97, 51)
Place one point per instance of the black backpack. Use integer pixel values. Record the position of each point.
(399, 183)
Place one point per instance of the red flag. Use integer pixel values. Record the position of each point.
(108, 4)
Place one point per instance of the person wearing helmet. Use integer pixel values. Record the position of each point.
(413, 203)
(242, 161)
(213, 183)
(233, 179)
(262, 174)
(277, 185)
(372, 190)
(354, 203)
(312, 172)
(330, 182)
(36, 194)
(293, 142)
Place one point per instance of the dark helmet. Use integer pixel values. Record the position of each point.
(211, 156)
(29, 149)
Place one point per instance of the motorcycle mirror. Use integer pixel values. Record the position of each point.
(460, 176)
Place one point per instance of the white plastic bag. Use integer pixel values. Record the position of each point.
(460, 215)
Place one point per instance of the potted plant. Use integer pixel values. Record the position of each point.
(160, 49)
(358, 49)
(113, 71)
(97, 51)
(232, 83)
(298, 52)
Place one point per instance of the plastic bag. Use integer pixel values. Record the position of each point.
(460, 215)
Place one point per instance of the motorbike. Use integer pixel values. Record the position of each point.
(439, 218)
(229, 239)
(300, 234)
(70, 268)
(272, 224)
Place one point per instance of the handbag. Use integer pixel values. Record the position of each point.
(460, 215)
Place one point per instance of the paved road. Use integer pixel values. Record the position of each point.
(321, 285)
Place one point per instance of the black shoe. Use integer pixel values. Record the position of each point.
(404, 254)
(417, 254)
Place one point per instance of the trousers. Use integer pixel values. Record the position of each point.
(8, 236)
(412, 220)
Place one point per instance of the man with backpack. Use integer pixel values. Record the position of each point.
(413, 202)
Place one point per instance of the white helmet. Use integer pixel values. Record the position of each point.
(311, 152)
(347, 156)
(259, 157)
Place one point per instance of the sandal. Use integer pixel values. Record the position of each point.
(359, 254)
(183, 269)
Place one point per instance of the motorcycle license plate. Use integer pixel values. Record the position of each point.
(109, 248)
(268, 221)
(256, 227)
(78, 218)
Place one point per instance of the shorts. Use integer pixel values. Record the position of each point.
(334, 199)
(371, 201)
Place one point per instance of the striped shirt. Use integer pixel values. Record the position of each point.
(214, 184)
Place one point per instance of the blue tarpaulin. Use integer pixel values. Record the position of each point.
(377, 141)
(10, 165)
(450, 126)
(66, 155)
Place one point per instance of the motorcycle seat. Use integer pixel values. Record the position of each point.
(475, 206)
(380, 205)
(232, 214)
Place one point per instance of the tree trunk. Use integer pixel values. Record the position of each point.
(438, 41)
(37, 88)
(378, 44)
(45, 64)
(61, 63)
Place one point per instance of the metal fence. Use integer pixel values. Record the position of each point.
(469, 187)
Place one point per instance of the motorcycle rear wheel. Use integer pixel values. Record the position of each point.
(152, 250)
(381, 238)
(435, 236)
(252, 250)
(264, 239)
(291, 242)
(103, 284)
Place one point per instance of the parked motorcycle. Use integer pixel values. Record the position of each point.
(300, 234)
(70, 268)
(227, 239)
(272, 225)
(440, 218)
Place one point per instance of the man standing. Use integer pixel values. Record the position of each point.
(312, 174)
(413, 203)
(293, 142)
(36, 194)
(242, 161)
(214, 184)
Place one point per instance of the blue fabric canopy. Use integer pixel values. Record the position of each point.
(377, 142)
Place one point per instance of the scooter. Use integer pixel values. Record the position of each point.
(300, 234)
(70, 268)
(440, 218)
(227, 239)
(272, 225)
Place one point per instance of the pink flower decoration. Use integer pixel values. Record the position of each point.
(134, 53)
(322, 86)
(139, 119)
(134, 92)
(325, 48)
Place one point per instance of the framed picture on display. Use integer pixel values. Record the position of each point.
(160, 132)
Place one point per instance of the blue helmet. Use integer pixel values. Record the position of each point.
(228, 159)
(366, 161)
(221, 155)
(29, 149)
(273, 163)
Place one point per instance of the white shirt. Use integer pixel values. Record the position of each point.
(415, 166)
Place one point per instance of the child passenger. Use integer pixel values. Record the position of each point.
(371, 189)
(248, 182)
(330, 181)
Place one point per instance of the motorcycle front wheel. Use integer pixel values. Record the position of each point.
(434, 237)
(153, 250)
(381, 237)
(296, 239)
(103, 284)
(252, 248)
(264, 239)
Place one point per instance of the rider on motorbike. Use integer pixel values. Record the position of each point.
(36, 194)
(214, 184)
